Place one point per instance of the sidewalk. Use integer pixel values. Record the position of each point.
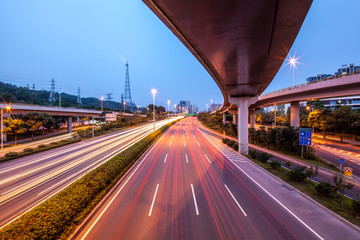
(27, 143)
(322, 171)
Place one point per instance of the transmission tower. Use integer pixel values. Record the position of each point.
(52, 97)
(109, 98)
(78, 97)
(127, 95)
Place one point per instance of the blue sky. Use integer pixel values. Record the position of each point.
(84, 43)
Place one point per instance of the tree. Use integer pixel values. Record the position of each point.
(314, 118)
(342, 116)
(14, 126)
(33, 122)
(48, 121)
(326, 121)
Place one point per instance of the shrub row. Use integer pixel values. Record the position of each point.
(42, 147)
(58, 216)
(231, 143)
(285, 139)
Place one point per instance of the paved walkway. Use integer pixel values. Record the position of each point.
(27, 143)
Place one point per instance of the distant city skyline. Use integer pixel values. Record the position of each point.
(86, 44)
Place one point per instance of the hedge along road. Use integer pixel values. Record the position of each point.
(28, 181)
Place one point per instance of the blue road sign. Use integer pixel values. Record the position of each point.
(341, 160)
(305, 136)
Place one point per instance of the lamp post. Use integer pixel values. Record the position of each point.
(124, 106)
(2, 125)
(101, 100)
(292, 61)
(138, 109)
(154, 92)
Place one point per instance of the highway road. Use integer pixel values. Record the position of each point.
(191, 186)
(28, 181)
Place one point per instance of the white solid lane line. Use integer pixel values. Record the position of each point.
(196, 207)
(207, 158)
(165, 158)
(268, 193)
(187, 160)
(118, 192)
(235, 200)
(153, 201)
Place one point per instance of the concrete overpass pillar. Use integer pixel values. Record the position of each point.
(252, 120)
(295, 114)
(224, 118)
(243, 104)
(243, 132)
(69, 125)
(235, 118)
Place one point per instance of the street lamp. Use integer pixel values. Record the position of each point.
(168, 102)
(138, 108)
(101, 100)
(292, 61)
(124, 106)
(8, 108)
(154, 92)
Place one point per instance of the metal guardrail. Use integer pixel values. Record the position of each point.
(304, 84)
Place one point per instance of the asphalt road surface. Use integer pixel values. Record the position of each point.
(190, 186)
(28, 181)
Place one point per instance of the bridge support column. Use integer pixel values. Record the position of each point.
(243, 132)
(243, 104)
(295, 114)
(235, 119)
(224, 118)
(69, 125)
(252, 120)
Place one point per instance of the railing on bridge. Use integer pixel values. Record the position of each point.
(300, 85)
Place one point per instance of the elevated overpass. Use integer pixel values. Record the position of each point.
(241, 43)
(336, 87)
(55, 111)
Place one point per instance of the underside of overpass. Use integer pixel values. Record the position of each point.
(241, 43)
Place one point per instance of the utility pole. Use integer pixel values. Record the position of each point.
(78, 97)
(52, 98)
(59, 97)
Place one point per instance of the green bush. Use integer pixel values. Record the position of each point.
(297, 175)
(253, 154)
(275, 165)
(42, 146)
(58, 216)
(11, 154)
(28, 149)
(325, 189)
(356, 205)
(264, 157)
